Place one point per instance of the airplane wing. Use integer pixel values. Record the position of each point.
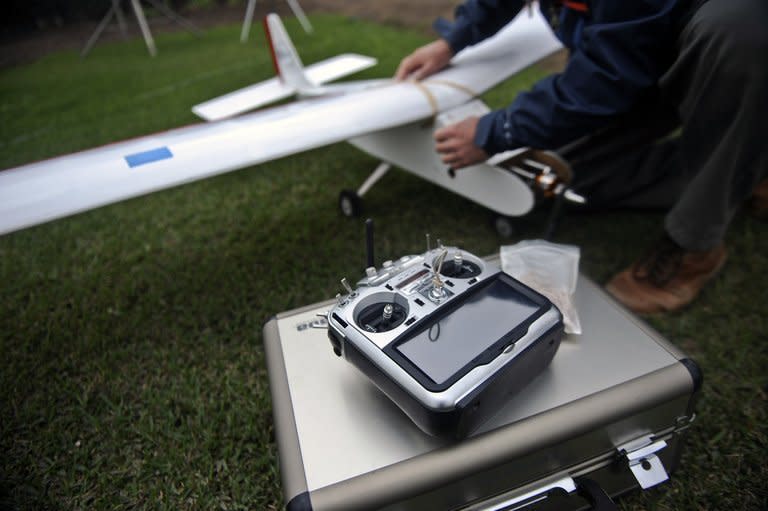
(50, 189)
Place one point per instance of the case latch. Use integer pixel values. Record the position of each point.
(643, 462)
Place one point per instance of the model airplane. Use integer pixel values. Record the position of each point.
(394, 121)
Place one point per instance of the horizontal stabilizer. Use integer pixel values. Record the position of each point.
(338, 67)
(242, 100)
(269, 91)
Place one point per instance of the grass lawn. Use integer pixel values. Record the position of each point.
(133, 372)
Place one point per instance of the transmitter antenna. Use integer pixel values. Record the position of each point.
(369, 259)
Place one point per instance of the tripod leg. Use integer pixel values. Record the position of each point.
(137, 10)
(248, 20)
(299, 13)
(98, 31)
(120, 17)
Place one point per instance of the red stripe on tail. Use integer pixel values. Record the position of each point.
(272, 49)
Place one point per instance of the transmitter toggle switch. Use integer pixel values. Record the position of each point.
(350, 291)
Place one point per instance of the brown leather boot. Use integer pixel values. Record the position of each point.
(758, 203)
(667, 278)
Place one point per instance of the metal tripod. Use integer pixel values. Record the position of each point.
(295, 7)
(116, 11)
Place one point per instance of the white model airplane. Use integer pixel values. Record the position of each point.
(394, 121)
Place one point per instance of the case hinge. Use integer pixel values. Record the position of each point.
(643, 462)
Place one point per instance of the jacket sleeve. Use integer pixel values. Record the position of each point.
(614, 61)
(476, 20)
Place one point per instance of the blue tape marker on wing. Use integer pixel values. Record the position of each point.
(153, 155)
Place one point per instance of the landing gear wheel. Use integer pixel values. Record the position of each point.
(350, 203)
(503, 226)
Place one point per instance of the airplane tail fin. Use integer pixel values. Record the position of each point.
(286, 59)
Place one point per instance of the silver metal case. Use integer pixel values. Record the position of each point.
(449, 352)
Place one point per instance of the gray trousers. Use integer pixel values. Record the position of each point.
(717, 89)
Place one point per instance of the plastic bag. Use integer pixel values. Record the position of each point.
(549, 268)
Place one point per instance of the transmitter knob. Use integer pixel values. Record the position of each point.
(458, 259)
(370, 272)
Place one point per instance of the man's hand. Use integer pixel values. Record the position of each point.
(456, 144)
(425, 61)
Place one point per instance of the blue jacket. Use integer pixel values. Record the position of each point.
(619, 50)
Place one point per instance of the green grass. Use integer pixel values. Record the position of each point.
(133, 372)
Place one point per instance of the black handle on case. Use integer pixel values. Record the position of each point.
(595, 494)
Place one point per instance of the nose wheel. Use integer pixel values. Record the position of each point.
(350, 203)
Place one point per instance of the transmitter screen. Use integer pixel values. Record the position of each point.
(443, 348)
